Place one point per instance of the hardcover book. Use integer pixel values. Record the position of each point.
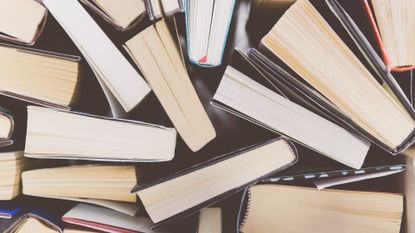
(246, 98)
(22, 21)
(364, 96)
(310, 210)
(121, 83)
(56, 134)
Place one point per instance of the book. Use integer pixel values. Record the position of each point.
(154, 9)
(312, 167)
(57, 134)
(157, 56)
(121, 83)
(107, 182)
(408, 183)
(364, 92)
(23, 76)
(12, 163)
(128, 208)
(39, 217)
(170, 7)
(207, 27)
(6, 127)
(309, 210)
(106, 220)
(32, 224)
(22, 21)
(190, 190)
(239, 94)
(393, 26)
(331, 182)
(210, 220)
(122, 16)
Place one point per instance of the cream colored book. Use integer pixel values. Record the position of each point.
(21, 20)
(123, 13)
(157, 56)
(210, 220)
(56, 134)
(11, 165)
(396, 23)
(31, 225)
(40, 77)
(201, 185)
(292, 209)
(327, 64)
(107, 182)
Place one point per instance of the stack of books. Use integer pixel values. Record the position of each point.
(207, 116)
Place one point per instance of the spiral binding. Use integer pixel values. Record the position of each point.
(242, 221)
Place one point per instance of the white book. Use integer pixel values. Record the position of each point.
(56, 134)
(122, 84)
(21, 20)
(156, 10)
(207, 27)
(273, 111)
(170, 6)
